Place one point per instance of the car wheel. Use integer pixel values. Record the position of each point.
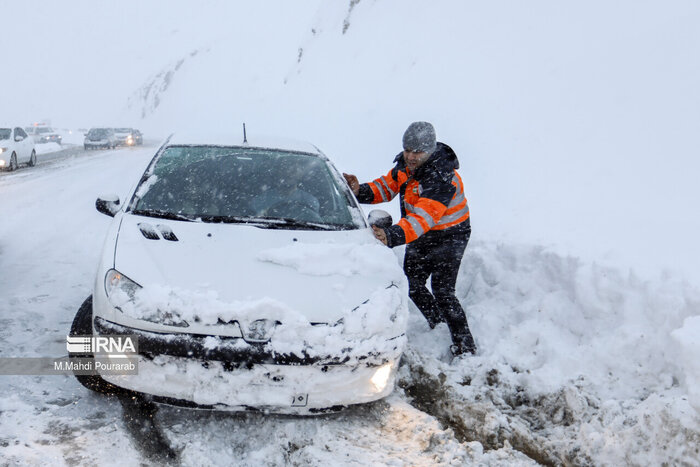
(82, 325)
(13, 162)
(32, 159)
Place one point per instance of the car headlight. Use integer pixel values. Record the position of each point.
(259, 330)
(116, 282)
(381, 377)
(121, 292)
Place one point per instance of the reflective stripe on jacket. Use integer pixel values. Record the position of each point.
(432, 198)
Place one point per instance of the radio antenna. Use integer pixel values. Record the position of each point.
(245, 137)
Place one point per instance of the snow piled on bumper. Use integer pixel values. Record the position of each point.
(371, 328)
(262, 387)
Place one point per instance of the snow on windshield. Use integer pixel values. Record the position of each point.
(228, 182)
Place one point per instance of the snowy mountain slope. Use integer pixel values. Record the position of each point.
(147, 98)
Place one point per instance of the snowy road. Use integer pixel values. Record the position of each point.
(576, 363)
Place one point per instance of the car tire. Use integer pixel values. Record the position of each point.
(32, 159)
(13, 163)
(82, 325)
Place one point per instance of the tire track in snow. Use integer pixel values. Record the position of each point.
(472, 420)
(139, 419)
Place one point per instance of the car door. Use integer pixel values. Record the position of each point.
(16, 146)
(23, 147)
(28, 143)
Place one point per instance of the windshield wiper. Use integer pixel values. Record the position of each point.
(228, 219)
(162, 215)
(289, 222)
(260, 222)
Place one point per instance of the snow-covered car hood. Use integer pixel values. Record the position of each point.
(320, 274)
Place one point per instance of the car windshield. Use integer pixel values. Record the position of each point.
(266, 187)
(97, 132)
(122, 130)
(5, 133)
(44, 130)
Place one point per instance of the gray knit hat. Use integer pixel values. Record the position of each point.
(420, 137)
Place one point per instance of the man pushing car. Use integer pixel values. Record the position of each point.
(434, 225)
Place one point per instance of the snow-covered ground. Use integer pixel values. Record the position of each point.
(578, 363)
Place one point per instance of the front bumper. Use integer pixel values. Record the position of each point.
(229, 374)
(98, 144)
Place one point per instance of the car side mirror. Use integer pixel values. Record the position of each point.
(19, 138)
(108, 204)
(380, 218)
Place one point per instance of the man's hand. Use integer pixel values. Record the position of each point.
(379, 234)
(353, 183)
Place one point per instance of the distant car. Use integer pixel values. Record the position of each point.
(100, 138)
(16, 147)
(138, 137)
(128, 136)
(252, 281)
(43, 134)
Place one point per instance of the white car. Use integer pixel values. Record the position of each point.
(251, 279)
(16, 147)
(43, 134)
(128, 136)
(100, 138)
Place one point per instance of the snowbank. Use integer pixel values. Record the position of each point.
(577, 362)
(688, 338)
(559, 318)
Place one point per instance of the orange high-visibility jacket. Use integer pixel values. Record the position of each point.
(432, 198)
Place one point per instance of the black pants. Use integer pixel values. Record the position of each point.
(438, 257)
